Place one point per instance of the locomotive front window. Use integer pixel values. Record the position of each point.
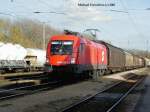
(61, 47)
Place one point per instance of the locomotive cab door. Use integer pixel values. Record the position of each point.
(81, 59)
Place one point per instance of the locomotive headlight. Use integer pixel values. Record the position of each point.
(47, 60)
(72, 60)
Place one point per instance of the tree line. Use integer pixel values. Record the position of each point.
(28, 33)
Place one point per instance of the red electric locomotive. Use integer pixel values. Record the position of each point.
(72, 53)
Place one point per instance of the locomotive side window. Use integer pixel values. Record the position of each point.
(61, 47)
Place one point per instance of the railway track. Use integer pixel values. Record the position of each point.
(12, 91)
(108, 99)
(24, 76)
(26, 90)
(40, 77)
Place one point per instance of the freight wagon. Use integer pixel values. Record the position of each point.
(35, 58)
(129, 63)
(20, 59)
(147, 62)
(13, 65)
(138, 62)
(115, 56)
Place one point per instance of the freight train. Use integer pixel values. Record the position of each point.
(72, 53)
(147, 62)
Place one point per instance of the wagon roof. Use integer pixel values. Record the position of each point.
(107, 44)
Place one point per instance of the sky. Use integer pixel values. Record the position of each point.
(125, 23)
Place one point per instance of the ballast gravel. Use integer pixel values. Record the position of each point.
(59, 98)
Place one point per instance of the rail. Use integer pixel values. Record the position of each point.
(107, 99)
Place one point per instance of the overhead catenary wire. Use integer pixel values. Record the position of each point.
(47, 5)
(140, 34)
(15, 14)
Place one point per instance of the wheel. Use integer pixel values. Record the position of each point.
(90, 73)
(102, 72)
(95, 75)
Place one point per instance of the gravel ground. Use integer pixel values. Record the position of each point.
(59, 98)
